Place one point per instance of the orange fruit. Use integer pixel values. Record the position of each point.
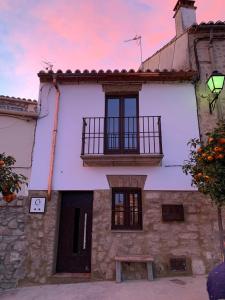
(210, 158)
(210, 140)
(220, 156)
(218, 149)
(206, 178)
(2, 163)
(199, 150)
(221, 140)
(204, 155)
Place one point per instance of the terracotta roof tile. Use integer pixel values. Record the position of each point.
(116, 75)
(16, 99)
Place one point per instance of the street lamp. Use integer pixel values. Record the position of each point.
(215, 83)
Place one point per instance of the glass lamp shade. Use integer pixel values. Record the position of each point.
(216, 82)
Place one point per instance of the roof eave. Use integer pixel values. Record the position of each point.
(116, 76)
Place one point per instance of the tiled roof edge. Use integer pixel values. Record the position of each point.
(17, 99)
(110, 72)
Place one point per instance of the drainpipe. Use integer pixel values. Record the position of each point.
(54, 135)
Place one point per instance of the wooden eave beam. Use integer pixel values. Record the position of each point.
(119, 77)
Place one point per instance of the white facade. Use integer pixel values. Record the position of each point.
(17, 127)
(174, 102)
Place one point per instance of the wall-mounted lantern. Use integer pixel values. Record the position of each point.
(215, 83)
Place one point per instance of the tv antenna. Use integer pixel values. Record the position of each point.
(137, 38)
(48, 65)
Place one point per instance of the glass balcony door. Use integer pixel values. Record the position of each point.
(121, 124)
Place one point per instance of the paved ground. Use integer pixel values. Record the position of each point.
(182, 288)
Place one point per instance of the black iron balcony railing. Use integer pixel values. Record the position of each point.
(122, 135)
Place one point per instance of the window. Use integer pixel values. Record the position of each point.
(126, 208)
(178, 264)
(171, 212)
(121, 126)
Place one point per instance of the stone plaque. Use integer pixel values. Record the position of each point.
(37, 205)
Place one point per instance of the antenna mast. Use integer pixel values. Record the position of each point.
(139, 42)
(48, 65)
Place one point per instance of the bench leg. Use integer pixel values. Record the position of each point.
(118, 271)
(150, 271)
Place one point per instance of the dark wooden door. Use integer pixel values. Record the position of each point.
(75, 230)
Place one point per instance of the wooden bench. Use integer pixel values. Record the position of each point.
(134, 258)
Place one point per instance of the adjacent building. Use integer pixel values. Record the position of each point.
(17, 129)
(199, 47)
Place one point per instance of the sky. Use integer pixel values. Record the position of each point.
(82, 34)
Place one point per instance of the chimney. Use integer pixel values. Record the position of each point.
(185, 15)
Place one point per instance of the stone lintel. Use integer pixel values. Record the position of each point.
(119, 88)
(136, 181)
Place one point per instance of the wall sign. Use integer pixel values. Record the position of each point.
(37, 205)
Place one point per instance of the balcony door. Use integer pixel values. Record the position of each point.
(121, 125)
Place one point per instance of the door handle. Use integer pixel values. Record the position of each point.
(85, 231)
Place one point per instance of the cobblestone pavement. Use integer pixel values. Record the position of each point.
(177, 288)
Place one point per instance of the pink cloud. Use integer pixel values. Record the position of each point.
(89, 34)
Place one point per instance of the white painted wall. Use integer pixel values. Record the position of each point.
(175, 102)
(16, 139)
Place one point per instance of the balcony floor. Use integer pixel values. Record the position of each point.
(114, 160)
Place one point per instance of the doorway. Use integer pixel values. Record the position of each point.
(75, 233)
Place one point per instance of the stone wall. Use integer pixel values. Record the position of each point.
(13, 243)
(196, 238)
(207, 64)
(41, 234)
(28, 242)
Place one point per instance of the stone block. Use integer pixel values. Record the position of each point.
(13, 224)
(7, 285)
(198, 267)
(188, 236)
(14, 256)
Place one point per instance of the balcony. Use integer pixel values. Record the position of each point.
(122, 141)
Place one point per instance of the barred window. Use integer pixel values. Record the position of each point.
(126, 208)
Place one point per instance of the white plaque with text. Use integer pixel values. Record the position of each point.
(37, 205)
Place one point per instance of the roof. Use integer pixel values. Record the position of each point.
(203, 26)
(18, 107)
(218, 25)
(17, 99)
(116, 76)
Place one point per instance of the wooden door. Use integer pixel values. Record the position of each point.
(75, 231)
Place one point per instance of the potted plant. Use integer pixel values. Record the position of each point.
(10, 182)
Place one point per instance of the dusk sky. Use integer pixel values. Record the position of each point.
(82, 34)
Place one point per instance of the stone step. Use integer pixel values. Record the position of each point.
(66, 278)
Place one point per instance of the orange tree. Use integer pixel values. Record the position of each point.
(206, 165)
(10, 182)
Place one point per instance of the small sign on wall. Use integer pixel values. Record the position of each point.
(37, 205)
